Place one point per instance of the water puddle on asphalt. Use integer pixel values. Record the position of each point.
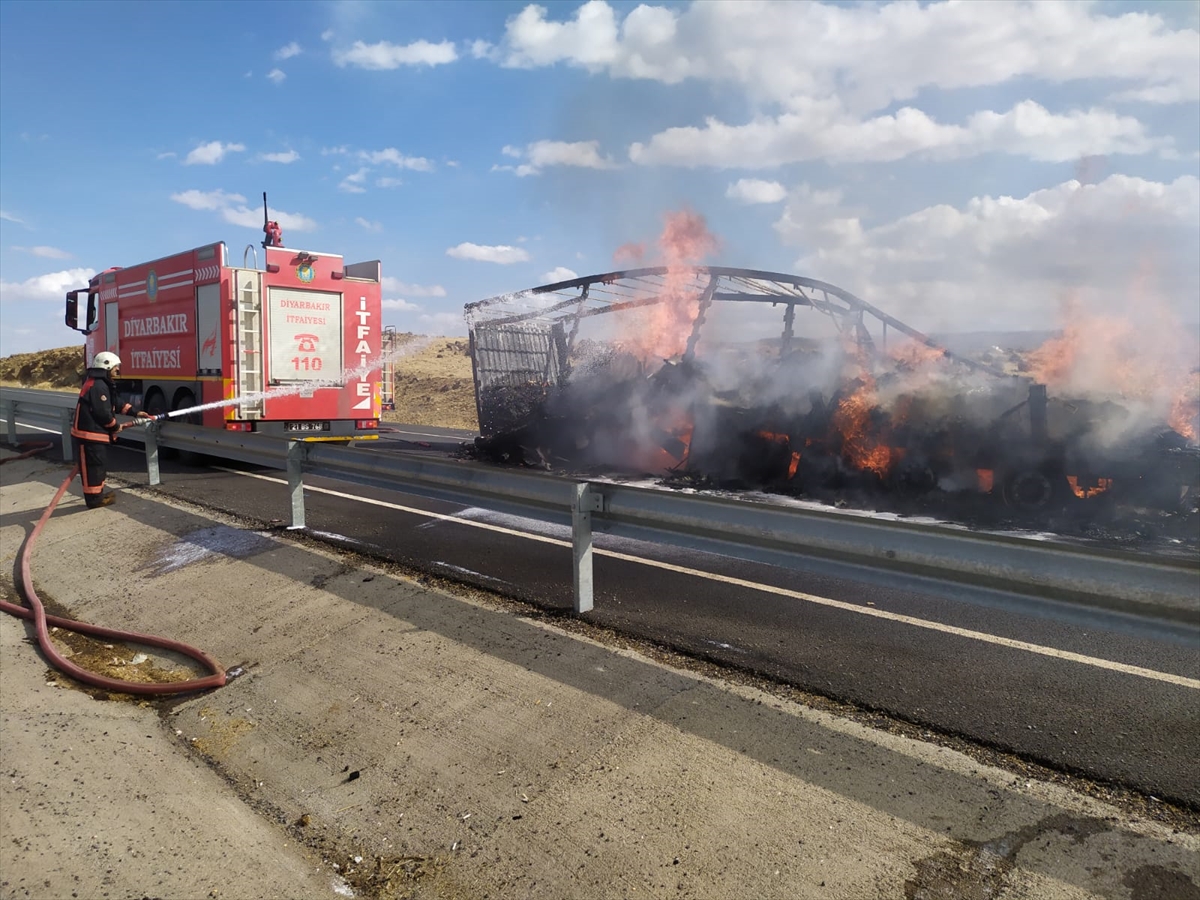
(207, 543)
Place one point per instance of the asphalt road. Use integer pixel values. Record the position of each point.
(1108, 696)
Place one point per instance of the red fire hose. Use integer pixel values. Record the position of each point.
(37, 613)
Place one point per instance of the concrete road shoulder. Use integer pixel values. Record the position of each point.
(434, 744)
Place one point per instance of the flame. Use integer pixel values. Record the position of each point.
(861, 447)
(1102, 485)
(1145, 355)
(786, 441)
(659, 457)
(661, 331)
(987, 480)
(915, 355)
(685, 438)
(1184, 415)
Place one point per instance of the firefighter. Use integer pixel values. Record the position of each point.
(95, 426)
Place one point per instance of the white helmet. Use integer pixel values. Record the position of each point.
(106, 360)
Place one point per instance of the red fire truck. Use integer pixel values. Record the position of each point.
(296, 343)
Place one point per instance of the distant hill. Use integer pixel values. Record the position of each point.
(61, 368)
(968, 343)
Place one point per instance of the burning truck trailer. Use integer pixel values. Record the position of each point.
(675, 372)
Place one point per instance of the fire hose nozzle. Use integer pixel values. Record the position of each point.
(145, 421)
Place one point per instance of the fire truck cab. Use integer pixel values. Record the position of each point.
(291, 349)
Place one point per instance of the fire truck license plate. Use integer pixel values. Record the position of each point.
(306, 426)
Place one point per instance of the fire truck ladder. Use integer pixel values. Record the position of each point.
(388, 375)
(250, 346)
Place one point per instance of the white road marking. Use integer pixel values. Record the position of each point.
(444, 437)
(55, 431)
(1010, 643)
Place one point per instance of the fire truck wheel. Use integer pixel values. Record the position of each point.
(156, 405)
(183, 400)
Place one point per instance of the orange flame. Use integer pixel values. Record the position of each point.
(862, 448)
(1102, 485)
(1184, 415)
(987, 480)
(661, 331)
(913, 354)
(1147, 359)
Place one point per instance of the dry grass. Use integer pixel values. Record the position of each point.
(434, 386)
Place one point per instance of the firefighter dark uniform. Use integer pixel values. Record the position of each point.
(95, 427)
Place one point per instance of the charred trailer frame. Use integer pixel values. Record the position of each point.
(526, 357)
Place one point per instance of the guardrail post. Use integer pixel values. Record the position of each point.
(583, 504)
(8, 410)
(296, 451)
(152, 471)
(68, 446)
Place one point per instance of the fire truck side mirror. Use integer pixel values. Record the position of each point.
(92, 312)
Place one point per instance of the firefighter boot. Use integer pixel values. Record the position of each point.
(105, 499)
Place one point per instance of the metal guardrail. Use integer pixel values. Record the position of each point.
(51, 412)
(756, 530)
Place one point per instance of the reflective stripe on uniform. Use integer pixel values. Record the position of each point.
(104, 437)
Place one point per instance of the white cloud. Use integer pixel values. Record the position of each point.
(52, 287)
(1006, 262)
(285, 157)
(590, 40)
(277, 76)
(540, 154)
(9, 217)
(394, 157)
(233, 210)
(369, 225)
(482, 50)
(45, 252)
(561, 273)
(521, 171)
(753, 190)
(168, 154)
(870, 54)
(288, 51)
(353, 184)
(207, 200)
(211, 153)
(251, 217)
(327, 35)
(388, 181)
(385, 55)
(836, 99)
(401, 305)
(504, 255)
(395, 286)
(335, 151)
(823, 130)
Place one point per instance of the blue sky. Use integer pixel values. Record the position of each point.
(961, 166)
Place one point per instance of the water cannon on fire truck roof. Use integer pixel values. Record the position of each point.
(273, 233)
